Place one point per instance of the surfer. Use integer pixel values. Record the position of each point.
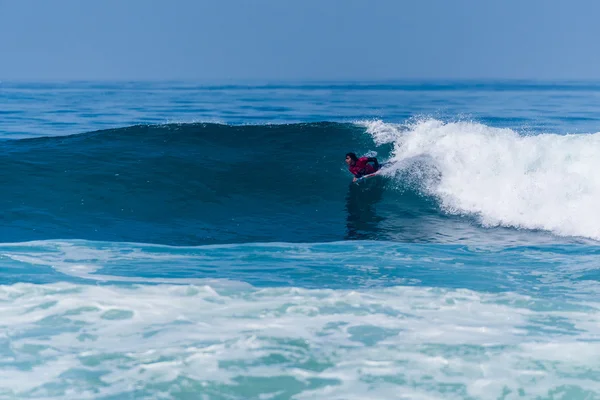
(360, 167)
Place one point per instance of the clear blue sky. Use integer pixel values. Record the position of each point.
(208, 40)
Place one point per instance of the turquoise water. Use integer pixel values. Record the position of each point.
(176, 240)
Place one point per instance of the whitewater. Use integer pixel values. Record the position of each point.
(543, 181)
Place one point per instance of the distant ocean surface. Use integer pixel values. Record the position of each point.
(205, 241)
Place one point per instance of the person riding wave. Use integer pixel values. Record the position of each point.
(360, 167)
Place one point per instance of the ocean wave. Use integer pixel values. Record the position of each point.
(194, 184)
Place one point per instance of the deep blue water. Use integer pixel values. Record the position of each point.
(181, 240)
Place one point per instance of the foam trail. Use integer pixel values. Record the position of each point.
(88, 341)
(544, 181)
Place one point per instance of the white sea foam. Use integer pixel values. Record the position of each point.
(544, 181)
(166, 341)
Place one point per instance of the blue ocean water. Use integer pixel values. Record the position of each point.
(182, 240)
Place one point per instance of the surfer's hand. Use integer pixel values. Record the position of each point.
(354, 180)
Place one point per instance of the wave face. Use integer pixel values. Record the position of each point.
(180, 184)
(195, 184)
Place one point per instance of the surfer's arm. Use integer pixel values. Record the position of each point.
(374, 161)
(361, 177)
